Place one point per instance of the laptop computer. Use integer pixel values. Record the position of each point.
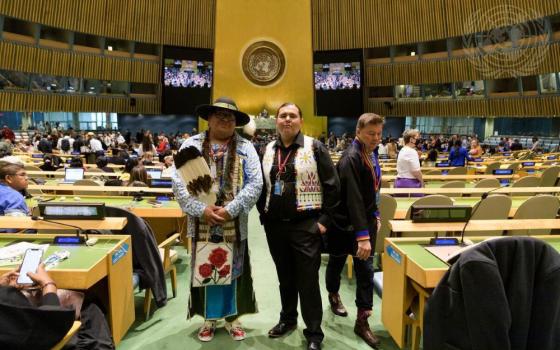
(161, 183)
(154, 173)
(72, 175)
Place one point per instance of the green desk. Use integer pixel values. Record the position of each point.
(110, 259)
(406, 263)
(404, 203)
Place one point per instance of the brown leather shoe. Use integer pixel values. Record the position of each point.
(336, 305)
(361, 328)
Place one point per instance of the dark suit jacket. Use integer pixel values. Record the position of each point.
(24, 326)
(503, 294)
(356, 209)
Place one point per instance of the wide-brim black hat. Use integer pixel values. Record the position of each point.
(223, 103)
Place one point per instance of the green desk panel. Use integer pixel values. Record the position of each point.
(81, 257)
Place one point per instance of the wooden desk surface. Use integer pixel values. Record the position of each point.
(25, 222)
(38, 162)
(30, 155)
(35, 173)
(471, 191)
(455, 177)
(100, 188)
(474, 225)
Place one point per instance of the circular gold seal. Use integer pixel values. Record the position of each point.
(263, 63)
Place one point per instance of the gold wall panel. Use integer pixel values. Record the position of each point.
(458, 69)
(240, 23)
(27, 102)
(171, 22)
(502, 107)
(345, 24)
(30, 59)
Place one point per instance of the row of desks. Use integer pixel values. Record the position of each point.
(403, 191)
(39, 162)
(100, 189)
(404, 204)
(171, 209)
(144, 209)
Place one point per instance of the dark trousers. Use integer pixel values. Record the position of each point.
(296, 251)
(364, 279)
(94, 333)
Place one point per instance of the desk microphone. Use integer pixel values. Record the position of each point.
(482, 198)
(61, 239)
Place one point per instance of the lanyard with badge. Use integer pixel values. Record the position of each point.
(216, 156)
(279, 183)
(376, 178)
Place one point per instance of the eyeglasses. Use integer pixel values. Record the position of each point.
(224, 116)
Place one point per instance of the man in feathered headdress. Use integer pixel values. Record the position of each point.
(217, 181)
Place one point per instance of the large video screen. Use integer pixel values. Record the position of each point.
(337, 76)
(338, 83)
(186, 77)
(187, 73)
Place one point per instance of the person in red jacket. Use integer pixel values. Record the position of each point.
(7, 133)
(163, 144)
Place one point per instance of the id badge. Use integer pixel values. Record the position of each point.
(278, 188)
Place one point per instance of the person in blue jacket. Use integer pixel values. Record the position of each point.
(458, 156)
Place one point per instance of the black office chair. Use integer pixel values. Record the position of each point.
(501, 294)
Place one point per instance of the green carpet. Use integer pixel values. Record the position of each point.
(168, 327)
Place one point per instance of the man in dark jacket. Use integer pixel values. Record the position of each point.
(45, 145)
(516, 145)
(356, 222)
(500, 295)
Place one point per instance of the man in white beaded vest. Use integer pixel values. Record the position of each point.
(301, 189)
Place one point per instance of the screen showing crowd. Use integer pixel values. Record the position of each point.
(337, 76)
(187, 73)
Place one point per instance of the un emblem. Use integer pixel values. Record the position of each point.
(263, 63)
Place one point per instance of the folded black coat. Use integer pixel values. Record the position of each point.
(502, 294)
(146, 259)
